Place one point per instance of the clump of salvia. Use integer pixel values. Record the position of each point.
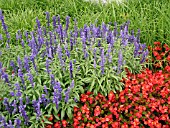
(53, 65)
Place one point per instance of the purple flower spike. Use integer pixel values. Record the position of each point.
(17, 123)
(110, 58)
(3, 122)
(1, 38)
(94, 63)
(47, 66)
(56, 98)
(67, 22)
(36, 105)
(22, 43)
(57, 95)
(75, 100)
(71, 42)
(67, 95)
(58, 18)
(54, 22)
(60, 32)
(44, 100)
(30, 78)
(143, 47)
(72, 84)
(75, 31)
(71, 69)
(6, 104)
(38, 23)
(59, 89)
(18, 89)
(19, 62)
(99, 44)
(126, 42)
(126, 30)
(5, 77)
(45, 90)
(115, 32)
(83, 37)
(26, 35)
(14, 104)
(32, 58)
(27, 100)
(94, 31)
(22, 111)
(26, 64)
(48, 19)
(52, 79)
(50, 53)
(67, 92)
(144, 56)
(10, 125)
(137, 47)
(20, 74)
(120, 61)
(12, 93)
(102, 62)
(110, 37)
(1, 65)
(94, 53)
(66, 51)
(132, 37)
(104, 30)
(18, 35)
(17, 86)
(4, 26)
(84, 50)
(59, 51)
(109, 50)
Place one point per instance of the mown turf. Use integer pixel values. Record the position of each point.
(151, 16)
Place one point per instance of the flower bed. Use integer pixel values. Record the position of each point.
(145, 102)
(89, 77)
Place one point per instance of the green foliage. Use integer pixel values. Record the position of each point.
(151, 16)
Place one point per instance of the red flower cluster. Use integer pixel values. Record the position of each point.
(161, 55)
(145, 102)
(58, 124)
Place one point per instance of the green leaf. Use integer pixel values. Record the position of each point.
(113, 76)
(33, 118)
(34, 97)
(102, 79)
(62, 113)
(76, 95)
(69, 112)
(54, 108)
(92, 85)
(47, 122)
(38, 93)
(116, 87)
(100, 84)
(50, 104)
(87, 80)
(49, 110)
(81, 89)
(39, 80)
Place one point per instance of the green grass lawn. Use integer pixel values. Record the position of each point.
(150, 16)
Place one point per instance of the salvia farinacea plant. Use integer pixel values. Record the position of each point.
(48, 68)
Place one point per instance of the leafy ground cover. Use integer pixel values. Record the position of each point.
(151, 16)
(143, 103)
(74, 74)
